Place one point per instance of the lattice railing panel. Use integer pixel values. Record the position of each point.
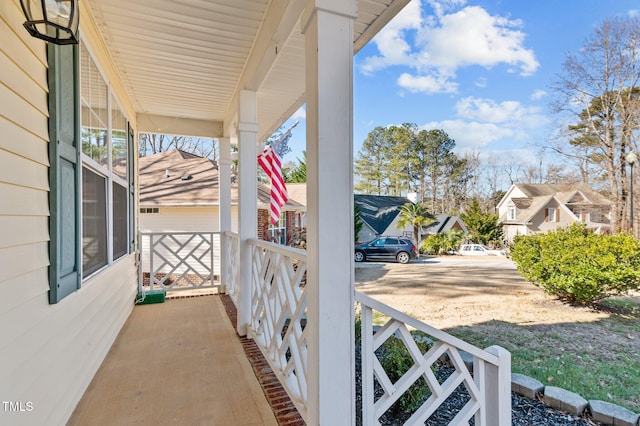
(181, 260)
(435, 370)
(231, 246)
(278, 314)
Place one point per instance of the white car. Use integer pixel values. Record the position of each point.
(479, 250)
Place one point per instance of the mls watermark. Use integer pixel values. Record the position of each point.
(17, 406)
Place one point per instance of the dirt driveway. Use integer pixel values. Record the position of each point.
(448, 292)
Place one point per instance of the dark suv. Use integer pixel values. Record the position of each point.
(386, 248)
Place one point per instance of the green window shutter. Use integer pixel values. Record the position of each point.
(64, 172)
(132, 189)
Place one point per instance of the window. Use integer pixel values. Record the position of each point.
(278, 231)
(94, 222)
(120, 222)
(144, 210)
(90, 200)
(511, 213)
(552, 214)
(105, 168)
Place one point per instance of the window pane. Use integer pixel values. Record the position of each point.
(118, 140)
(94, 222)
(119, 221)
(93, 95)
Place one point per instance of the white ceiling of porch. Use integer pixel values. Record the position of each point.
(188, 58)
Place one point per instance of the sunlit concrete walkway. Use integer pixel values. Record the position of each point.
(179, 362)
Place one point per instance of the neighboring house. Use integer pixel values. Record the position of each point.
(380, 215)
(298, 194)
(444, 223)
(179, 192)
(528, 208)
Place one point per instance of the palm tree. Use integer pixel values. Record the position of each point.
(417, 215)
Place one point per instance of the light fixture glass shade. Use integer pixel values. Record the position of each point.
(55, 21)
(631, 157)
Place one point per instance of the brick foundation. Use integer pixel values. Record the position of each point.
(283, 409)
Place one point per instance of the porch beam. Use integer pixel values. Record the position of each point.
(328, 28)
(280, 21)
(247, 199)
(162, 124)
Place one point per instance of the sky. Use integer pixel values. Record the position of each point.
(479, 70)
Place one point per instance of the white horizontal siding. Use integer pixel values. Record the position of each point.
(23, 230)
(49, 353)
(17, 200)
(16, 109)
(186, 219)
(23, 143)
(18, 290)
(24, 84)
(23, 171)
(183, 219)
(62, 348)
(22, 259)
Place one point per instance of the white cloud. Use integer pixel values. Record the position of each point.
(539, 94)
(473, 37)
(485, 123)
(488, 110)
(391, 43)
(481, 82)
(436, 46)
(426, 84)
(633, 13)
(471, 135)
(300, 114)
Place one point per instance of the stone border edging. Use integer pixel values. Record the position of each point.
(561, 399)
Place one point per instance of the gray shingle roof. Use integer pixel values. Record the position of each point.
(378, 211)
(192, 181)
(443, 223)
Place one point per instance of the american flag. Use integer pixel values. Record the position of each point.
(270, 163)
(280, 145)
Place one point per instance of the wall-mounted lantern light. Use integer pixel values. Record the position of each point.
(55, 21)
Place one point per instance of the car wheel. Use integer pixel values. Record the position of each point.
(359, 256)
(403, 257)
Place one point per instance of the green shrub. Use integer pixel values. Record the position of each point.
(442, 243)
(432, 244)
(577, 265)
(396, 360)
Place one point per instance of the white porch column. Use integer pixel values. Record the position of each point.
(248, 200)
(224, 198)
(328, 29)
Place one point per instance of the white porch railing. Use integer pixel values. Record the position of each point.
(231, 246)
(180, 260)
(488, 385)
(278, 320)
(278, 314)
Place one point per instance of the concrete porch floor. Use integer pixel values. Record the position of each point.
(178, 362)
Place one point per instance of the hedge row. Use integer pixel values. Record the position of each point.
(577, 265)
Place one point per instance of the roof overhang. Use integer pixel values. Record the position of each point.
(183, 64)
